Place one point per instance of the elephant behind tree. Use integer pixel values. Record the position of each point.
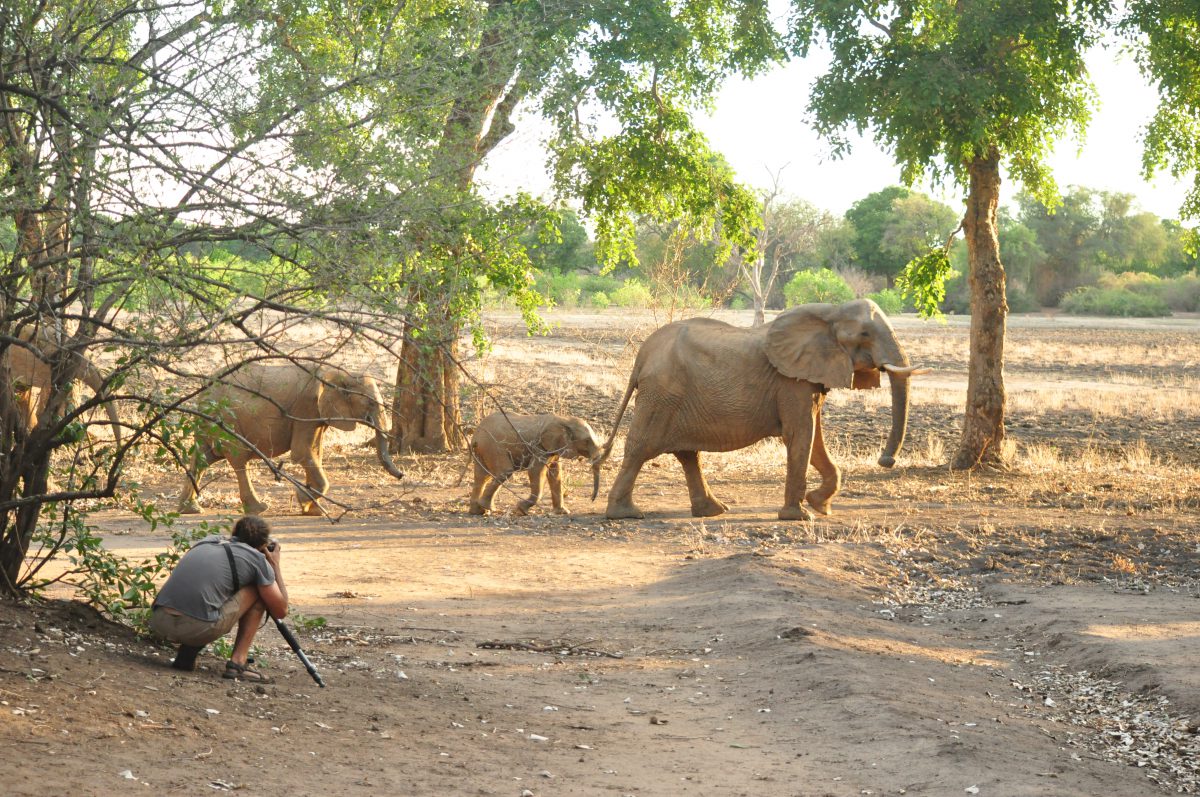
(29, 368)
(703, 385)
(504, 443)
(274, 409)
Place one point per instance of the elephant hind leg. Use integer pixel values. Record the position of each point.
(831, 477)
(620, 495)
(704, 503)
(486, 485)
(482, 479)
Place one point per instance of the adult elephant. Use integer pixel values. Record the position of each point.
(29, 370)
(273, 409)
(704, 385)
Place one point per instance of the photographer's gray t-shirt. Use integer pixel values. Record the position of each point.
(201, 583)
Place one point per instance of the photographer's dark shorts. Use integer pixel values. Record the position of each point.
(186, 630)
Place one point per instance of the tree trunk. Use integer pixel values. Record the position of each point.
(426, 413)
(983, 424)
(760, 304)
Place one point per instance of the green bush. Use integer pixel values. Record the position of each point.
(599, 299)
(1181, 294)
(683, 296)
(562, 289)
(889, 300)
(1113, 302)
(816, 286)
(1020, 301)
(634, 293)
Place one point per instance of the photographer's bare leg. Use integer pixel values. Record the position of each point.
(252, 611)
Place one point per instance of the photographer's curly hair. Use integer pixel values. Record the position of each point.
(252, 530)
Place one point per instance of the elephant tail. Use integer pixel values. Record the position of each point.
(612, 436)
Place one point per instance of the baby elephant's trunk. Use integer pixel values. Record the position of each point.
(596, 463)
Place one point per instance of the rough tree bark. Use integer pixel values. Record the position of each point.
(983, 424)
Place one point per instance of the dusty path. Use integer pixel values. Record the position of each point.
(741, 670)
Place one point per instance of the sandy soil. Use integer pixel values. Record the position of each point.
(1029, 632)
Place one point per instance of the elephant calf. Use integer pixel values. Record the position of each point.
(505, 443)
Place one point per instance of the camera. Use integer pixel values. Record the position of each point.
(272, 545)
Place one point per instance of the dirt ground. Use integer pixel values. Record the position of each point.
(1032, 631)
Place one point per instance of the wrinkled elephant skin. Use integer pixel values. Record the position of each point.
(277, 409)
(505, 443)
(703, 385)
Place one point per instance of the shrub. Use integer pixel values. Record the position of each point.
(1020, 301)
(816, 286)
(1181, 293)
(889, 300)
(562, 289)
(593, 286)
(634, 293)
(682, 296)
(1113, 302)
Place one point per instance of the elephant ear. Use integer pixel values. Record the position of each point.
(333, 403)
(801, 345)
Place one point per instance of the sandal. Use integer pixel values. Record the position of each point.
(242, 672)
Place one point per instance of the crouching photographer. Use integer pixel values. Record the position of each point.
(219, 584)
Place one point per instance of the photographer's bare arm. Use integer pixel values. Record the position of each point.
(274, 596)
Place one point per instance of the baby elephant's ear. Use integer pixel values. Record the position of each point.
(801, 345)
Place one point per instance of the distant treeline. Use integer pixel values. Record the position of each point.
(1093, 254)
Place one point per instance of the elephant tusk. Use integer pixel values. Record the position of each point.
(906, 370)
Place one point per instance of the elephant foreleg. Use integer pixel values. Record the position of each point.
(554, 480)
(251, 503)
(188, 505)
(536, 473)
(798, 435)
(316, 483)
(831, 477)
(704, 503)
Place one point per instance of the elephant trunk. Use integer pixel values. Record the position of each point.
(381, 448)
(895, 362)
(899, 419)
(597, 461)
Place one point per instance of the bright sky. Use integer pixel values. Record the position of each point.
(760, 127)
